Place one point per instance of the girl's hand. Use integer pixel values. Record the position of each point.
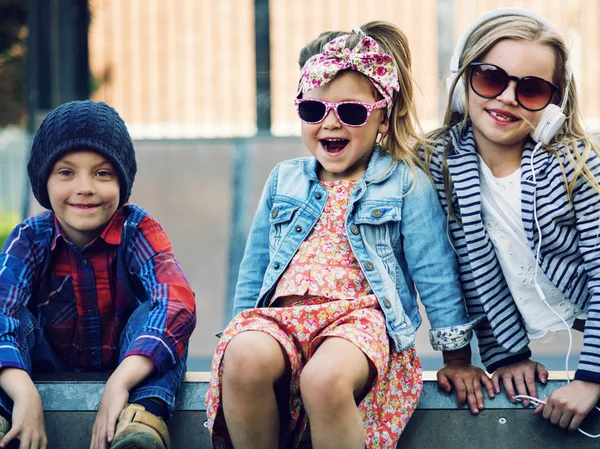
(569, 405)
(521, 375)
(467, 380)
(27, 421)
(113, 401)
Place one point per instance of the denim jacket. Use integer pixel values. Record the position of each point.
(396, 230)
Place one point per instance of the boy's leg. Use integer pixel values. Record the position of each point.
(35, 351)
(152, 402)
(156, 389)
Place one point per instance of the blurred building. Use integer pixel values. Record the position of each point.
(185, 68)
(183, 72)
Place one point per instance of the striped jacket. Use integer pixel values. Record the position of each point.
(569, 256)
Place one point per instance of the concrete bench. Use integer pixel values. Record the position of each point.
(70, 402)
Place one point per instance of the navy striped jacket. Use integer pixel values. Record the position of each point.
(569, 256)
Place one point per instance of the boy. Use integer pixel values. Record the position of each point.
(92, 284)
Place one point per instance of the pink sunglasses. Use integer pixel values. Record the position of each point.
(350, 113)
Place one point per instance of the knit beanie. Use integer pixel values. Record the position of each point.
(81, 125)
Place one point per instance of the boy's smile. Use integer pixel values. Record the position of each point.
(83, 188)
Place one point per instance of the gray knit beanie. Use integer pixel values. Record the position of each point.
(81, 125)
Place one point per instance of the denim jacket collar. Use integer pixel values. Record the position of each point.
(381, 166)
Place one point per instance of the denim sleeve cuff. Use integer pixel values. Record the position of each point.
(587, 376)
(10, 356)
(154, 346)
(451, 338)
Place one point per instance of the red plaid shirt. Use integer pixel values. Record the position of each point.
(84, 298)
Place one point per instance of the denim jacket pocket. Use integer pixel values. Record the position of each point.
(57, 302)
(381, 226)
(280, 218)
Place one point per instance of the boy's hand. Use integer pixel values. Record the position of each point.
(522, 375)
(130, 372)
(569, 405)
(114, 399)
(27, 423)
(467, 380)
(28, 416)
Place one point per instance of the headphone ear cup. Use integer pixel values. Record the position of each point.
(550, 123)
(458, 96)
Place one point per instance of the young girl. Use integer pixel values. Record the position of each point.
(523, 215)
(326, 299)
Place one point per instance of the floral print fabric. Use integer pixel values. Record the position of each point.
(327, 312)
(324, 265)
(365, 57)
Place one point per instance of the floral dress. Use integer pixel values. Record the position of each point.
(335, 301)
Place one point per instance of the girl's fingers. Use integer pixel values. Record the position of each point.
(478, 393)
(542, 373)
(496, 382)
(521, 389)
(489, 386)
(508, 386)
(443, 381)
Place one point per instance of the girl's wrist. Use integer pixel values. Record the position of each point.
(458, 355)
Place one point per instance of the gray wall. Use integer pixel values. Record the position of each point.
(187, 186)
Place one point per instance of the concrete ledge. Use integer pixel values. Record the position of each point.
(70, 402)
(82, 392)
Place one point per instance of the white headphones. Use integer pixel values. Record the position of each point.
(552, 118)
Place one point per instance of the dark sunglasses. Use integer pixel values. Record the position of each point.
(489, 81)
(350, 113)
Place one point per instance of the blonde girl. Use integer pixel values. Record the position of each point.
(517, 176)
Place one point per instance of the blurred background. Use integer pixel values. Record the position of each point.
(206, 88)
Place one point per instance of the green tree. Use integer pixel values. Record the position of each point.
(13, 47)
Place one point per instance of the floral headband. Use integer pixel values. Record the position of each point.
(365, 58)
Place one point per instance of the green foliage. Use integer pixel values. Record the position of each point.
(3, 236)
(8, 220)
(13, 36)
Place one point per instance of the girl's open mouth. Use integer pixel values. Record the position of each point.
(334, 145)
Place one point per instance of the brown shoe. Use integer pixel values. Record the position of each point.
(139, 429)
(4, 427)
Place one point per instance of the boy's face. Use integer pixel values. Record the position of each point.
(83, 188)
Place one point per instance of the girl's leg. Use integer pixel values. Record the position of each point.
(334, 378)
(252, 364)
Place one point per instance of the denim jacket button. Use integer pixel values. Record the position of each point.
(275, 212)
(276, 265)
(376, 213)
(84, 263)
(318, 196)
(298, 229)
(369, 266)
(387, 303)
(354, 229)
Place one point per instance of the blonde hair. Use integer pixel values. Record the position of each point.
(518, 27)
(404, 129)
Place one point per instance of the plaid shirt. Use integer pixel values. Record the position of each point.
(83, 299)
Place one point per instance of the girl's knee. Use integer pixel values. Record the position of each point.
(253, 358)
(323, 387)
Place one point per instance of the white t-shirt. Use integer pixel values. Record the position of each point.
(501, 213)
